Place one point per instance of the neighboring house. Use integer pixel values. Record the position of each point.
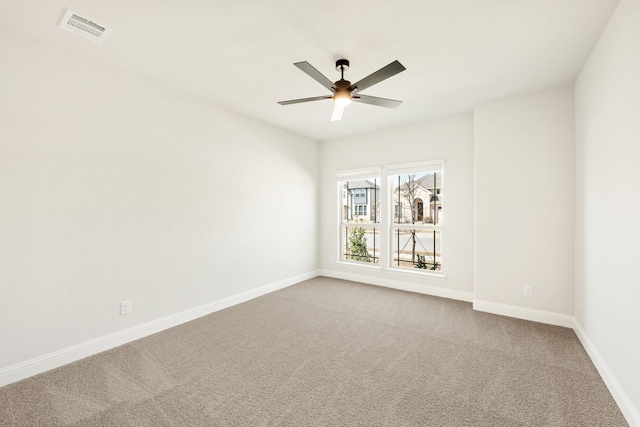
(361, 200)
(418, 199)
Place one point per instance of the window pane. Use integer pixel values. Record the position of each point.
(417, 249)
(417, 198)
(360, 201)
(361, 244)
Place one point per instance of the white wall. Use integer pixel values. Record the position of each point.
(450, 139)
(524, 204)
(114, 188)
(607, 301)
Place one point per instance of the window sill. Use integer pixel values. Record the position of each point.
(424, 274)
(366, 266)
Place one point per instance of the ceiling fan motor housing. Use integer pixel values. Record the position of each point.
(342, 94)
(342, 64)
(342, 85)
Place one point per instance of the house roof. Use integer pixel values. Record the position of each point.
(361, 183)
(426, 181)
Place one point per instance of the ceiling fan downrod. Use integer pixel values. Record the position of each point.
(342, 65)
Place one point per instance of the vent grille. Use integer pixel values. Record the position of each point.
(76, 24)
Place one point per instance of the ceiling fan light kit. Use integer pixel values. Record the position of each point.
(344, 92)
(342, 98)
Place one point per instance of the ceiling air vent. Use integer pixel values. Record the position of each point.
(76, 24)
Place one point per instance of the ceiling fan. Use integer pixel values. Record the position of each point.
(344, 92)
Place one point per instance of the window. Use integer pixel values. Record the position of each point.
(416, 229)
(361, 210)
(360, 195)
(409, 236)
(360, 218)
(397, 210)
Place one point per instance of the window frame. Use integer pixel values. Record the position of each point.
(385, 216)
(392, 173)
(342, 224)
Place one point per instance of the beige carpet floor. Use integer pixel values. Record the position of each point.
(328, 352)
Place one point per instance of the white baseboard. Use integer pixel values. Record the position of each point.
(524, 313)
(403, 286)
(631, 413)
(67, 355)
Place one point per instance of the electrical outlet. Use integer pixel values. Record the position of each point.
(125, 307)
(528, 291)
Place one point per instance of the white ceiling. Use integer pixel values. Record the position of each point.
(239, 54)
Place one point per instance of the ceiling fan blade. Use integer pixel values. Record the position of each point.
(382, 74)
(374, 100)
(315, 74)
(337, 112)
(298, 101)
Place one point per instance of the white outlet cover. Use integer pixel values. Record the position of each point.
(125, 307)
